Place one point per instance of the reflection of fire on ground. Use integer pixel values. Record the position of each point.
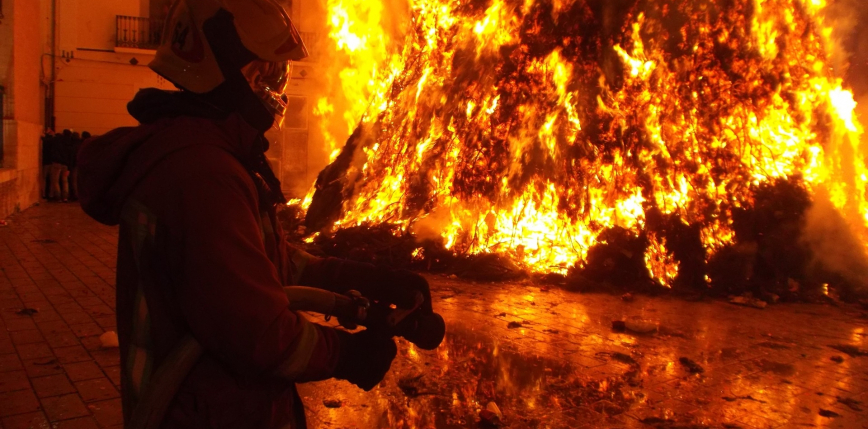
(564, 366)
(543, 130)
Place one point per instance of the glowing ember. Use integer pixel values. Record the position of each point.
(527, 128)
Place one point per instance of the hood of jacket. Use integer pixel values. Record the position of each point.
(111, 166)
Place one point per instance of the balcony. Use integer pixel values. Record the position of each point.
(138, 33)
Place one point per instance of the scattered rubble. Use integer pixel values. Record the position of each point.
(332, 403)
(853, 351)
(640, 326)
(747, 301)
(27, 311)
(491, 416)
(411, 385)
(109, 340)
(691, 365)
(745, 398)
(636, 326)
(851, 403)
(514, 325)
(828, 413)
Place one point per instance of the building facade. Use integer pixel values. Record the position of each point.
(75, 64)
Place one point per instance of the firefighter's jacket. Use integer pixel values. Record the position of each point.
(200, 253)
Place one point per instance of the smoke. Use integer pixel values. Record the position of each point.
(835, 247)
(837, 238)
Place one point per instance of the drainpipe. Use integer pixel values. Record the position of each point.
(2, 118)
(49, 94)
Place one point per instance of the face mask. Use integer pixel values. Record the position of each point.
(269, 80)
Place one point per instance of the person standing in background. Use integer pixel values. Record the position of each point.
(73, 165)
(59, 187)
(48, 140)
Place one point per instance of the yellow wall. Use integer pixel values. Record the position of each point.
(92, 91)
(94, 81)
(21, 63)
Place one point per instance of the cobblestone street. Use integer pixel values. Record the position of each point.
(547, 358)
(53, 371)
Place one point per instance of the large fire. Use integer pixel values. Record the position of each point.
(529, 127)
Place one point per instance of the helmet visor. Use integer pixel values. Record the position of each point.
(269, 80)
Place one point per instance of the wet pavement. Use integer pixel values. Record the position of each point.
(550, 359)
(547, 358)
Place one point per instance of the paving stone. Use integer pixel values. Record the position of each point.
(80, 371)
(34, 351)
(79, 423)
(64, 407)
(42, 367)
(18, 402)
(52, 385)
(86, 330)
(29, 336)
(10, 362)
(11, 381)
(72, 354)
(96, 390)
(107, 413)
(35, 420)
(114, 374)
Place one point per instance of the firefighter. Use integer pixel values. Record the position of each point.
(201, 257)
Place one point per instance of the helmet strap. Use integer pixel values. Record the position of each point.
(234, 94)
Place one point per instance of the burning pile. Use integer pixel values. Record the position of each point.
(664, 141)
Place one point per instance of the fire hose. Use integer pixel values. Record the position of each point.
(425, 330)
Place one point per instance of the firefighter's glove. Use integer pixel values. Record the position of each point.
(403, 286)
(365, 357)
(384, 285)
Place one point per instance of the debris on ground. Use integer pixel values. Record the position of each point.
(851, 403)
(332, 403)
(661, 423)
(745, 398)
(491, 416)
(620, 357)
(748, 301)
(109, 340)
(551, 331)
(27, 311)
(410, 385)
(607, 408)
(636, 326)
(828, 413)
(514, 325)
(853, 351)
(627, 297)
(837, 359)
(691, 365)
(640, 326)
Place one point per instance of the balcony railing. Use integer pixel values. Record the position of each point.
(137, 32)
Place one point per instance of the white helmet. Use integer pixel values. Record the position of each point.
(200, 52)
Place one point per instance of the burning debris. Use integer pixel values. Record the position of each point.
(631, 145)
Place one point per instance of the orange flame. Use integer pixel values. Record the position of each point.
(489, 126)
